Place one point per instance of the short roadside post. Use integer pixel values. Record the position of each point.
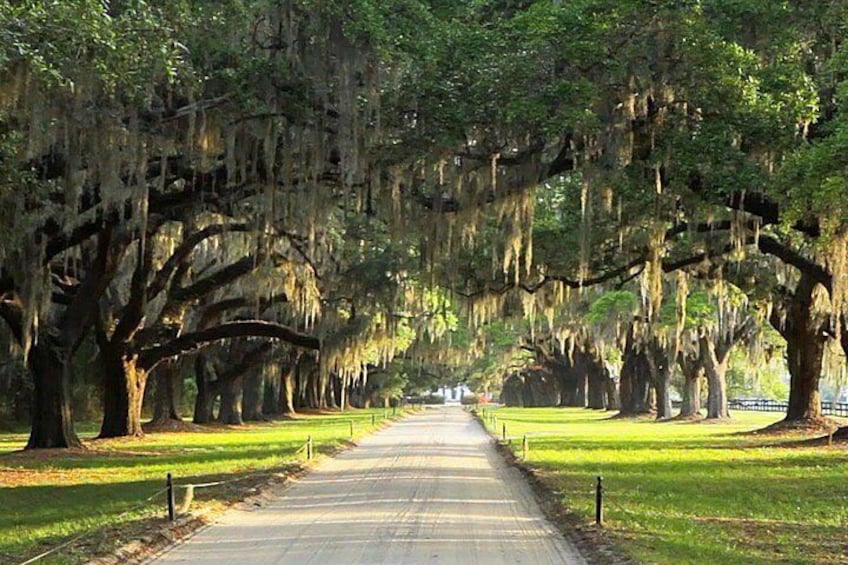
(525, 447)
(170, 490)
(599, 502)
(373, 419)
(351, 428)
(504, 432)
(309, 448)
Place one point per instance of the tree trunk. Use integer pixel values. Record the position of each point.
(271, 399)
(613, 398)
(661, 377)
(662, 387)
(166, 402)
(693, 372)
(715, 368)
(582, 384)
(252, 404)
(231, 395)
(123, 393)
(287, 390)
(805, 334)
(565, 380)
(804, 352)
(635, 382)
(206, 391)
(52, 422)
(328, 388)
(571, 379)
(597, 377)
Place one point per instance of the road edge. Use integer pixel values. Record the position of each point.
(592, 542)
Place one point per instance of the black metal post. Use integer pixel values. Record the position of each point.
(599, 502)
(504, 432)
(171, 511)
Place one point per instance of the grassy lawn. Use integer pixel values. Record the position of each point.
(683, 492)
(47, 497)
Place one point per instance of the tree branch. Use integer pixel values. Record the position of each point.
(162, 277)
(193, 341)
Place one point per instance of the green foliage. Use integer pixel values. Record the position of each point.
(756, 378)
(126, 47)
(612, 307)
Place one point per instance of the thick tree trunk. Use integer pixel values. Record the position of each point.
(252, 403)
(313, 396)
(52, 422)
(206, 391)
(512, 391)
(613, 398)
(597, 377)
(691, 406)
(661, 377)
(714, 362)
(571, 380)
(804, 352)
(231, 396)
(271, 399)
(805, 333)
(328, 387)
(717, 392)
(166, 402)
(123, 394)
(635, 381)
(287, 390)
(582, 385)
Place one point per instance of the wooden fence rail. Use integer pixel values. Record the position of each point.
(762, 405)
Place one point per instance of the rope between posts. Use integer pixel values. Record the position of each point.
(85, 534)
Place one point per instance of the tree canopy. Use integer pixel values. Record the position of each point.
(368, 183)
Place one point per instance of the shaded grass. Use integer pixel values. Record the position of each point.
(49, 496)
(689, 492)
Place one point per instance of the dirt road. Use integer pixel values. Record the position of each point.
(428, 489)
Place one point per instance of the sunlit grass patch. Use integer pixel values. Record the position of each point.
(49, 496)
(693, 492)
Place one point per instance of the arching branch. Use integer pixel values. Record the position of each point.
(193, 341)
(160, 281)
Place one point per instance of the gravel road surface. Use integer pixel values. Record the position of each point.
(428, 489)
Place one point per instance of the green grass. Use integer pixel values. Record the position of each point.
(684, 492)
(47, 497)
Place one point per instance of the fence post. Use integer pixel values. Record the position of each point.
(525, 447)
(504, 432)
(170, 485)
(599, 502)
(309, 448)
(351, 428)
(373, 419)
